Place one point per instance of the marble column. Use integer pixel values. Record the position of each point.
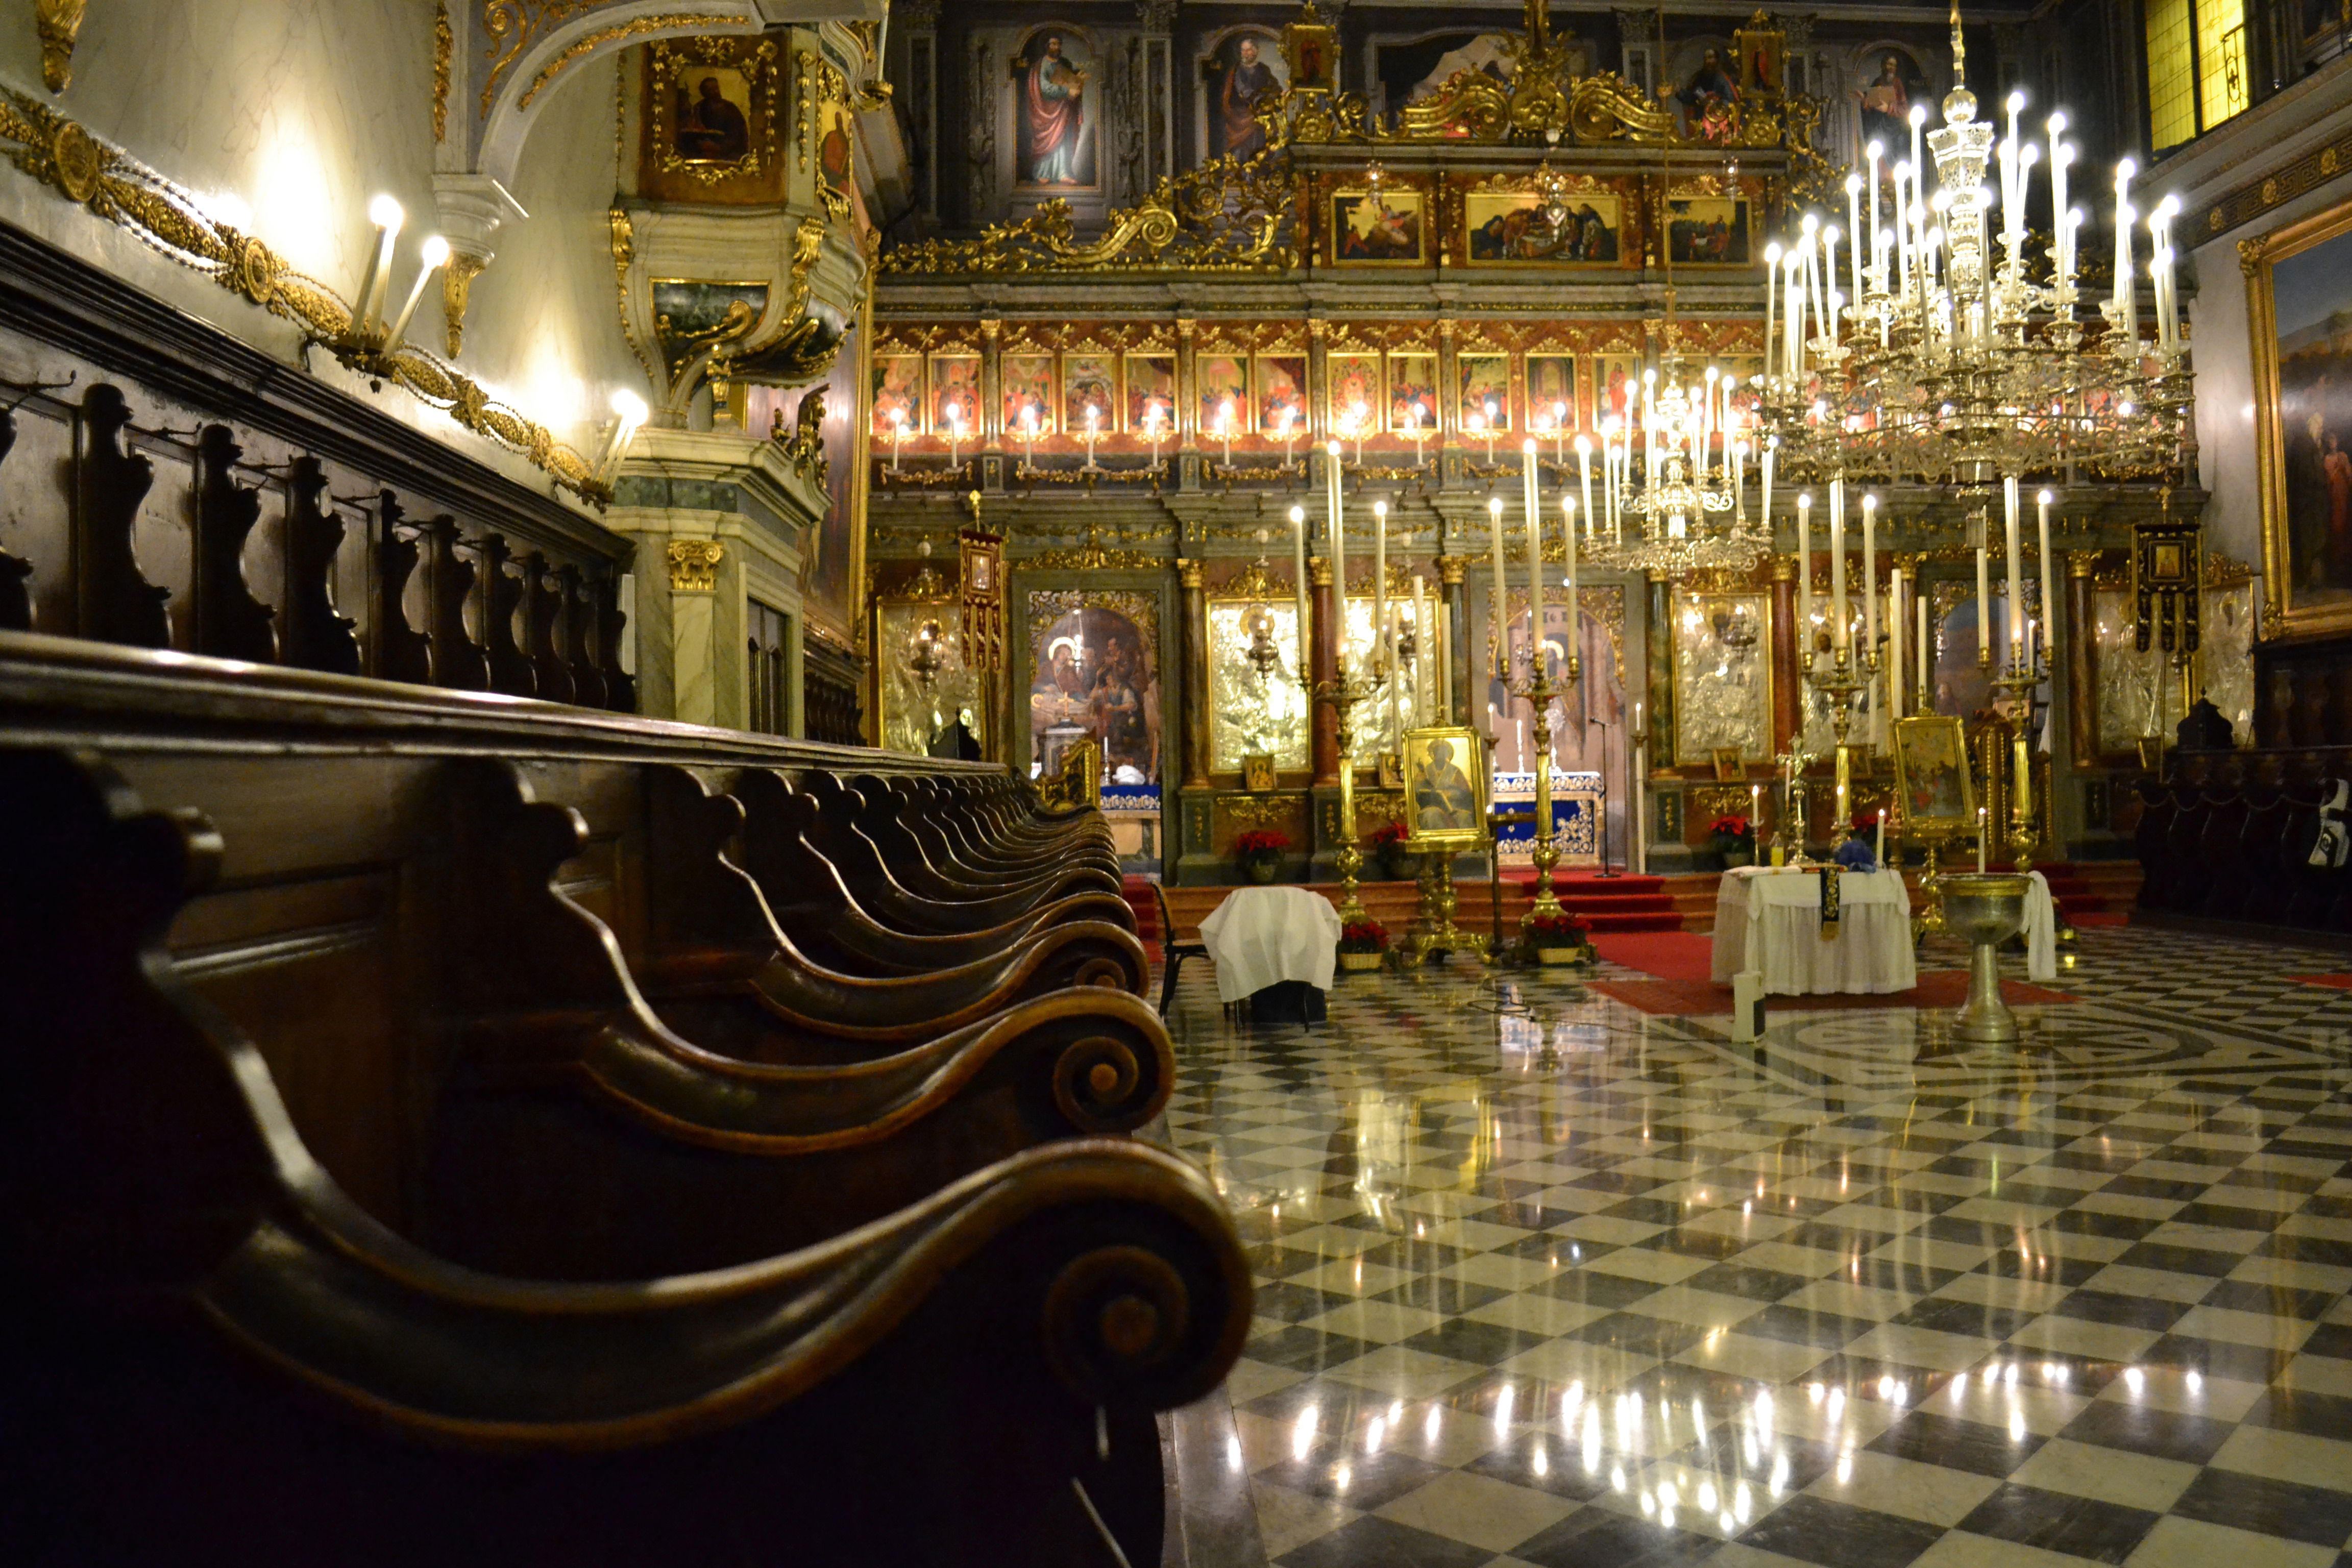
(1196, 675)
(694, 566)
(1325, 751)
(1450, 574)
(1788, 706)
(2081, 653)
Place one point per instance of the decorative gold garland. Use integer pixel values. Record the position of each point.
(114, 185)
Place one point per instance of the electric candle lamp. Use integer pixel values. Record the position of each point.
(386, 214)
(1870, 573)
(2049, 585)
(434, 255)
(1926, 695)
(1380, 626)
(629, 413)
(1840, 637)
(1896, 668)
(1984, 598)
(1853, 227)
(1568, 506)
(2016, 593)
(1804, 575)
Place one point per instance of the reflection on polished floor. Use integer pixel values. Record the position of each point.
(1545, 1280)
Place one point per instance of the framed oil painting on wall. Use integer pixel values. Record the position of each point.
(1355, 391)
(955, 395)
(1054, 112)
(1225, 382)
(1616, 387)
(709, 130)
(1485, 390)
(1708, 231)
(1551, 393)
(1509, 227)
(1152, 394)
(1028, 381)
(1089, 393)
(1282, 396)
(1413, 393)
(1931, 771)
(897, 394)
(1445, 786)
(1383, 228)
(2299, 307)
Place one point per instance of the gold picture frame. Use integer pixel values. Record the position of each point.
(711, 127)
(1388, 227)
(1931, 774)
(1444, 803)
(1258, 773)
(1729, 767)
(2290, 438)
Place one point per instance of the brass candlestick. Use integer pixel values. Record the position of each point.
(1850, 674)
(1343, 695)
(2018, 685)
(1433, 929)
(1537, 693)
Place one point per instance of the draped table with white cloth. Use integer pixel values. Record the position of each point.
(1261, 936)
(1768, 919)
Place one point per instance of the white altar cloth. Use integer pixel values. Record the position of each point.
(1260, 936)
(1768, 919)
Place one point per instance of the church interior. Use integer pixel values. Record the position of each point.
(1494, 783)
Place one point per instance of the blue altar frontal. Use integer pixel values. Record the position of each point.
(1576, 805)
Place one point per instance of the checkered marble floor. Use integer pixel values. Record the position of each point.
(1544, 1280)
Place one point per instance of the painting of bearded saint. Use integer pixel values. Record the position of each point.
(1886, 104)
(1246, 76)
(1056, 141)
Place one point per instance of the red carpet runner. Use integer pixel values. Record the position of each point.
(1683, 963)
(1613, 903)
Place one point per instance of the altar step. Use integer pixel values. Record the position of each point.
(1613, 903)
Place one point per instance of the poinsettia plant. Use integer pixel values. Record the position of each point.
(1363, 936)
(1737, 829)
(1260, 841)
(1391, 832)
(1555, 931)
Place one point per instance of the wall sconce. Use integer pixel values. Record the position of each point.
(630, 414)
(368, 343)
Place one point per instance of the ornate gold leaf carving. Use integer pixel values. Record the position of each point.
(694, 565)
(444, 44)
(118, 188)
(59, 22)
(636, 28)
(457, 288)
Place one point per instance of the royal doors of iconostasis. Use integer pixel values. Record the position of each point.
(1098, 662)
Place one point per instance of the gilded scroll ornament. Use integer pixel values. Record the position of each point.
(167, 218)
(694, 565)
(60, 25)
(444, 45)
(804, 445)
(457, 289)
(637, 27)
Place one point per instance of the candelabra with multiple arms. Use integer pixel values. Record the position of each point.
(1537, 693)
(1343, 694)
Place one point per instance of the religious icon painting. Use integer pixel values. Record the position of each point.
(1513, 226)
(955, 395)
(897, 394)
(1747, 396)
(1282, 396)
(1708, 231)
(1413, 393)
(1028, 383)
(1485, 382)
(1225, 383)
(1355, 392)
(1445, 786)
(833, 157)
(2299, 294)
(1378, 228)
(708, 131)
(1616, 387)
(1152, 394)
(1763, 59)
(1054, 113)
(1089, 393)
(1931, 771)
(1243, 73)
(1551, 393)
(1311, 50)
(1883, 106)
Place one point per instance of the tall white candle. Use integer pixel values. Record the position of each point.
(1383, 629)
(1870, 573)
(2061, 155)
(1876, 150)
(1339, 569)
(2123, 217)
(1838, 636)
(1495, 553)
(1584, 476)
(1425, 648)
(1918, 163)
(1804, 576)
(1771, 280)
(1927, 692)
(1984, 596)
(2049, 582)
(1575, 637)
(1388, 630)
(1298, 554)
(2016, 593)
(1896, 669)
(1535, 585)
(1771, 446)
(1853, 230)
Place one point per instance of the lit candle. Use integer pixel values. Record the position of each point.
(1755, 807)
(2016, 593)
(1879, 854)
(1918, 163)
(1299, 553)
(1771, 446)
(1535, 586)
(1838, 636)
(1980, 839)
(1792, 295)
(1876, 150)
(2124, 215)
(386, 214)
(2061, 155)
(1495, 553)
(1584, 475)
(1853, 229)
(434, 255)
(1804, 575)
(1382, 629)
(1771, 279)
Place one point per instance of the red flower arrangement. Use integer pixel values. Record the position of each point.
(1260, 841)
(1393, 833)
(1731, 827)
(1363, 936)
(1555, 931)
(1865, 822)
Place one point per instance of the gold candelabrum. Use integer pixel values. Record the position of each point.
(1850, 672)
(1538, 692)
(2016, 685)
(1343, 694)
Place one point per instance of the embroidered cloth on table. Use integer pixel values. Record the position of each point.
(1259, 936)
(1768, 919)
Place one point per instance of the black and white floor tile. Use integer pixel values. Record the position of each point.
(1545, 1280)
